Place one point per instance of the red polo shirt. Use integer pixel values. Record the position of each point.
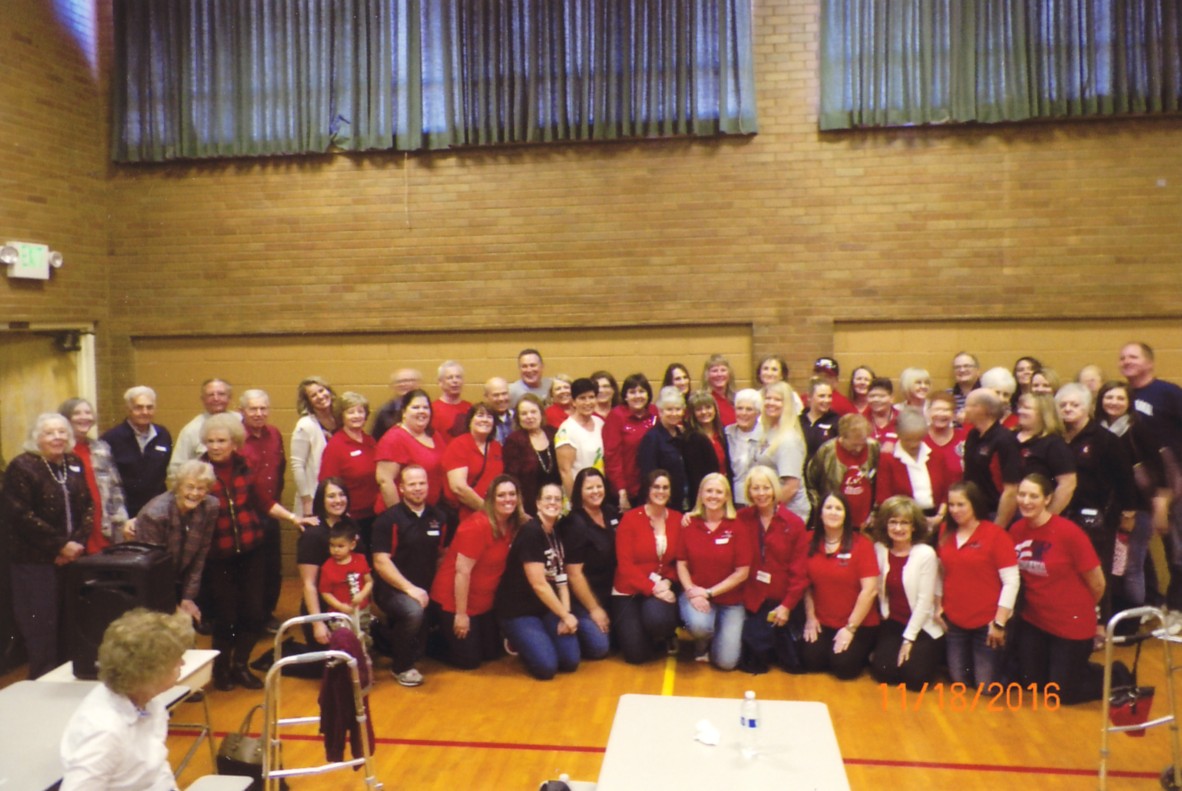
(836, 581)
(972, 583)
(713, 556)
(474, 538)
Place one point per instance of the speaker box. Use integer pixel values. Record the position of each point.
(101, 587)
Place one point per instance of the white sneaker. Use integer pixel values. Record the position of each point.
(409, 678)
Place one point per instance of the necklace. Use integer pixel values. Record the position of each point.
(545, 459)
(63, 482)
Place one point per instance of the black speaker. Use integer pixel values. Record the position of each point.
(101, 587)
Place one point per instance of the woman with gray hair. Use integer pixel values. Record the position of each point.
(50, 515)
(742, 440)
(1003, 384)
(116, 737)
(102, 476)
(182, 521)
(661, 448)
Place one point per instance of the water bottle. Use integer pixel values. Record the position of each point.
(749, 725)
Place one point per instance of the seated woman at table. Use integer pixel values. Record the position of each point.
(644, 594)
(465, 586)
(909, 647)
(116, 737)
(778, 577)
(713, 560)
(841, 620)
(533, 599)
(182, 521)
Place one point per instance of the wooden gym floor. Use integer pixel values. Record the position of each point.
(496, 728)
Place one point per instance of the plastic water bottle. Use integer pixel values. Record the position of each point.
(749, 725)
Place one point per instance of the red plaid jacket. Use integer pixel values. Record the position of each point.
(238, 528)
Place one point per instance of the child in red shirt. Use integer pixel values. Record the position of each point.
(345, 582)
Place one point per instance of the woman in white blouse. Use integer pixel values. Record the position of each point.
(314, 402)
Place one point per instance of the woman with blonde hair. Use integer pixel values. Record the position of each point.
(783, 447)
(712, 565)
(560, 404)
(1044, 450)
(317, 423)
(719, 378)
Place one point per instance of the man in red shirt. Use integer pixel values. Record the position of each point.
(263, 451)
(449, 411)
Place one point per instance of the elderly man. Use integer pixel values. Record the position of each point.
(263, 451)
(966, 378)
(530, 367)
(450, 411)
(496, 396)
(992, 455)
(141, 450)
(215, 397)
(402, 382)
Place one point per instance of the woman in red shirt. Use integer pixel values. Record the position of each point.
(776, 584)
(840, 616)
(623, 430)
(349, 455)
(712, 564)
(980, 587)
(463, 592)
(410, 442)
(561, 404)
(644, 595)
(471, 461)
(719, 378)
(1063, 584)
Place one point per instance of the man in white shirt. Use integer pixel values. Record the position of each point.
(215, 397)
(530, 367)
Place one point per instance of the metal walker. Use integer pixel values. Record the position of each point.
(273, 773)
(1171, 777)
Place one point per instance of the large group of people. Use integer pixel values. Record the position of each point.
(989, 529)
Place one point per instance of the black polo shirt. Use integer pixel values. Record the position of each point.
(1048, 456)
(413, 542)
(992, 460)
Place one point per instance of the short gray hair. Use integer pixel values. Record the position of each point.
(751, 396)
(999, 379)
(253, 393)
(443, 366)
(194, 470)
(139, 390)
(1079, 391)
(993, 406)
(670, 396)
(226, 421)
(39, 425)
(910, 421)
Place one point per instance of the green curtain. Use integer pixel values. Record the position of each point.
(226, 78)
(912, 62)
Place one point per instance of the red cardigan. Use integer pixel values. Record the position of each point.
(893, 478)
(636, 552)
(780, 572)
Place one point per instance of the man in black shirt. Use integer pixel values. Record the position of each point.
(992, 456)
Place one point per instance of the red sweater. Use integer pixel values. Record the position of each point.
(636, 552)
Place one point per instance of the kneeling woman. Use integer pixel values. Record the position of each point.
(712, 564)
(1063, 583)
(840, 617)
(908, 648)
(465, 585)
(533, 600)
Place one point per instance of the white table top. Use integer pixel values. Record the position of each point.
(652, 746)
(195, 669)
(33, 716)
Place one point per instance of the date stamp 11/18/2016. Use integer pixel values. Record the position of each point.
(958, 697)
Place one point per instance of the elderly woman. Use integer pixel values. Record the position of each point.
(316, 425)
(182, 521)
(914, 471)
(1003, 385)
(607, 393)
(410, 442)
(840, 617)
(644, 594)
(944, 437)
(819, 421)
(1044, 451)
(704, 446)
(234, 564)
(743, 438)
(916, 384)
(782, 446)
(677, 375)
(589, 536)
(102, 476)
(1063, 583)
(561, 402)
(847, 465)
(713, 561)
(908, 650)
(623, 431)
(465, 586)
(660, 449)
(529, 451)
(116, 736)
(350, 455)
(719, 378)
(471, 462)
(50, 516)
(778, 577)
(533, 601)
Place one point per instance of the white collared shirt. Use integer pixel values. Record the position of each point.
(917, 471)
(111, 744)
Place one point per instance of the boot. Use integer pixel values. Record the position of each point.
(245, 679)
(223, 679)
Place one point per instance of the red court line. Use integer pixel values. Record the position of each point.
(883, 762)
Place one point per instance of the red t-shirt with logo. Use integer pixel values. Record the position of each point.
(856, 486)
(1053, 559)
(836, 580)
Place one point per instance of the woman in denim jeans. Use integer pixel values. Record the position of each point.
(980, 586)
(533, 599)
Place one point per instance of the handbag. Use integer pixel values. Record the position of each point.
(1129, 704)
(242, 755)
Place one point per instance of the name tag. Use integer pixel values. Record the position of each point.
(723, 540)
(559, 578)
(355, 453)
(432, 532)
(162, 449)
(75, 469)
(763, 576)
(844, 556)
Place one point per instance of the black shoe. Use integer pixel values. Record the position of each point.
(273, 625)
(223, 679)
(245, 679)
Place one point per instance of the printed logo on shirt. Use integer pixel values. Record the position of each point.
(1032, 555)
(1144, 407)
(353, 579)
(959, 448)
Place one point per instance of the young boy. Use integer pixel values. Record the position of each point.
(345, 581)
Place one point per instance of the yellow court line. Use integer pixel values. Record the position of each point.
(670, 675)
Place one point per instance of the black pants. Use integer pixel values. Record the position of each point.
(1045, 659)
(483, 642)
(36, 604)
(819, 656)
(765, 644)
(920, 667)
(236, 591)
(272, 551)
(641, 623)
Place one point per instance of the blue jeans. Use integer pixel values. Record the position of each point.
(721, 627)
(970, 660)
(1134, 580)
(640, 622)
(593, 643)
(544, 651)
(405, 619)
